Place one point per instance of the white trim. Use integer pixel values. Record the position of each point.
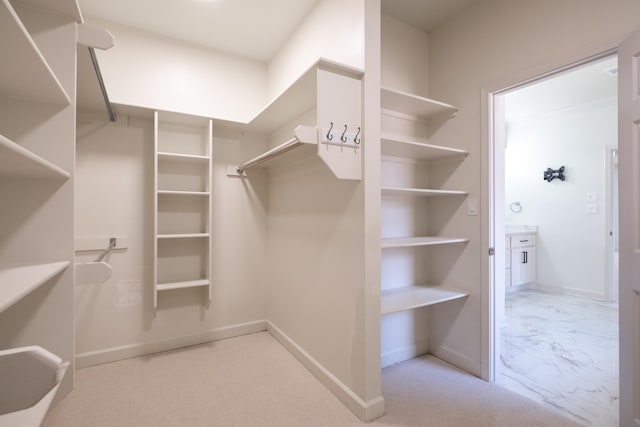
(113, 354)
(366, 411)
(456, 359)
(521, 78)
(598, 296)
(404, 353)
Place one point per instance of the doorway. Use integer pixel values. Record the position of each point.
(555, 189)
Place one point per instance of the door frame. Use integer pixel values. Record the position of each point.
(490, 143)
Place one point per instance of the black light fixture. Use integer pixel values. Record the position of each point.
(551, 174)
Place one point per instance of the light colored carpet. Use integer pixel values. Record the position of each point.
(253, 381)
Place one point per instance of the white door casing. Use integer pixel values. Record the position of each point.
(629, 186)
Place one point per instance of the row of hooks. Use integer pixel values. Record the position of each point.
(343, 137)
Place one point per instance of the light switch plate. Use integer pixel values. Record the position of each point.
(472, 206)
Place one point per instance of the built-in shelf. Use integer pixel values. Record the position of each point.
(419, 241)
(183, 193)
(402, 147)
(413, 105)
(65, 7)
(18, 282)
(24, 72)
(182, 285)
(183, 236)
(423, 192)
(411, 297)
(17, 161)
(182, 157)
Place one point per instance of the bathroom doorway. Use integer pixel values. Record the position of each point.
(559, 224)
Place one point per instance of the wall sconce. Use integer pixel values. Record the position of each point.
(550, 174)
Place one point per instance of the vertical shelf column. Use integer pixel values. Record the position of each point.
(183, 165)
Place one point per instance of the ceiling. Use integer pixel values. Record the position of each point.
(587, 84)
(253, 29)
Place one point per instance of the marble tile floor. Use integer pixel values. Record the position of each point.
(562, 351)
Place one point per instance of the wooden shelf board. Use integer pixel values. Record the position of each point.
(17, 161)
(413, 105)
(401, 147)
(424, 192)
(183, 193)
(25, 73)
(17, 282)
(411, 297)
(163, 155)
(182, 285)
(419, 241)
(183, 236)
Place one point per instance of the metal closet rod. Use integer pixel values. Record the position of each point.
(103, 89)
(274, 152)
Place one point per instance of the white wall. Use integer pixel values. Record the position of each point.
(114, 196)
(334, 30)
(570, 244)
(148, 70)
(488, 42)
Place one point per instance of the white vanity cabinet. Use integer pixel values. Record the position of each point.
(522, 259)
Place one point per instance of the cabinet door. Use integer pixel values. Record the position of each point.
(517, 263)
(528, 270)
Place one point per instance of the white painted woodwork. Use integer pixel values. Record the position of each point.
(37, 124)
(413, 105)
(17, 282)
(94, 36)
(629, 179)
(419, 241)
(18, 162)
(424, 192)
(183, 163)
(411, 297)
(26, 66)
(402, 147)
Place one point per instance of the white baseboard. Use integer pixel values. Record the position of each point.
(366, 411)
(405, 353)
(108, 355)
(457, 359)
(598, 296)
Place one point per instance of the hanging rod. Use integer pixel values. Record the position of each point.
(303, 135)
(103, 89)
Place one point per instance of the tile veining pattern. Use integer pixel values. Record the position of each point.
(562, 351)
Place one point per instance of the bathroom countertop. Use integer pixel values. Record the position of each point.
(515, 229)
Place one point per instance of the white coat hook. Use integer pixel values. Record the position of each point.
(342, 137)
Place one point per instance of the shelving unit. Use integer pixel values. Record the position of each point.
(408, 198)
(182, 220)
(17, 282)
(37, 153)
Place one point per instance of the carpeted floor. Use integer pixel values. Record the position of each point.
(253, 381)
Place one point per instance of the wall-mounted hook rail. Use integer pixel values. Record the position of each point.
(342, 137)
(112, 245)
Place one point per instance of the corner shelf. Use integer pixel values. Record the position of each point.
(422, 192)
(402, 147)
(405, 242)
(411, 297)
(413, 105)
(18, 282)
(17, 161)
(182, 285)
(25, 73)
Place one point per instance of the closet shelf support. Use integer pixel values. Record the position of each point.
(302, 135)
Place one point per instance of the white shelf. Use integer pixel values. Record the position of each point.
(24, 72)
(404, 242)
(182, 285)
(183, 193)
(18, 282)
(17, 161)
(411, 297)
(182, 157)
(183, 236)
(401, 147)
(423, 192)
(65, 7)
(413, 105)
